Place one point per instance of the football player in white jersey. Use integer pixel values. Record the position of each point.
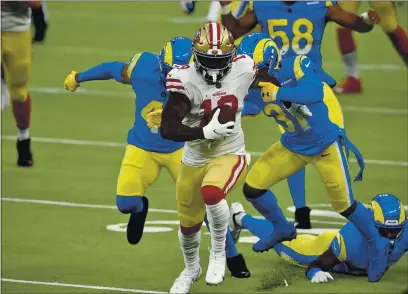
(214, 155)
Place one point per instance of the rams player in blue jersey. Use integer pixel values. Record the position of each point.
(147, 152)
(310, 137)
(297, 28)
(344, 251)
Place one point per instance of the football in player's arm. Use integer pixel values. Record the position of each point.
(241, 26)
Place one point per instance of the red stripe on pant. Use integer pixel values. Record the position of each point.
(234, 169)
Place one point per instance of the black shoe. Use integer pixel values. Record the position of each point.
(25, 158)
(237, 267)
(136, 223)
(302, 218)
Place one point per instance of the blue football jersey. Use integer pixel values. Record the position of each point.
(352, 249)
(306, 135)
(148, 84)
(297, 29)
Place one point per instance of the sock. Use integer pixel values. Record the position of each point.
(350, 61)
(23, 134)
(259, 227)
(214, 11)
(363, 220)
(218, 217)
(230, 248)
(400, 41)
(22, 112)
(348, 50)
(190, 246)
(267, 205)
(129, 204)
(296, 184)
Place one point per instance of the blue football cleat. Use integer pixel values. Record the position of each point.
(250, 109)
(378, 263)
(275, 238)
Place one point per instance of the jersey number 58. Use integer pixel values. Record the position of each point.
(274, 31)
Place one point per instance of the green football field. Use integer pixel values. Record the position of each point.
(61, 232)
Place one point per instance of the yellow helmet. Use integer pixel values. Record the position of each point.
(214, 50)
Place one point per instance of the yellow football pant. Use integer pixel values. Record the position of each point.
(223, 172)
(305, 248)
(16, 61)
(140, 169)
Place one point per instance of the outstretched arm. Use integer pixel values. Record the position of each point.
(172, 127)
(362, 24)
(237, 27)
(105, 71)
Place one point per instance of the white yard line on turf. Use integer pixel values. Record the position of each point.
(72, 204)
(57, 284)
(116, 144)
(358, 109)
(111, 207)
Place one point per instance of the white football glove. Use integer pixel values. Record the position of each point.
(215, 130)
(299, 109)
(321, 277)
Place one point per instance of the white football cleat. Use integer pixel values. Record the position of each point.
(186, 279)
(236, 208)
(216, 268)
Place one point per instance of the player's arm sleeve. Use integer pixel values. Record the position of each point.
(347, 19)
(120, 71)
(309, 89)
(103, 71)
(175, 110)
(240, 26)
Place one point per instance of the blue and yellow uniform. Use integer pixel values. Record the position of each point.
(147, 152)
(349, 247)
(297, 29)
(307, 139)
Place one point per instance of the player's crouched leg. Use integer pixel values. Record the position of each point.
(137, 173)
(138, 207)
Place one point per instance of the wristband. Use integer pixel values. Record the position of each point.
(226, 9)
(366, 18)
(310, 273)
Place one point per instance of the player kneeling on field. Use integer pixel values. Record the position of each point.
(344, 251)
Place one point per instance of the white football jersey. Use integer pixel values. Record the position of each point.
(12, 21)
(204, 98)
